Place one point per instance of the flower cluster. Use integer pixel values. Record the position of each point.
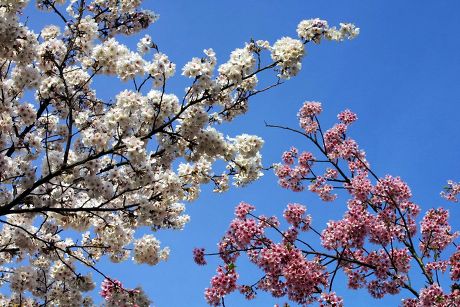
(221, 284)
(198, 256)
(288, 52)
(436, 231)
(243, 209)
(290, 176)
(286, 270)
(147, 250)
(117, 296)
(451, 191)
(374, 244)
(72, 163)
(331, 300)
(295, 215)
(307, 116)
(316, 29)
(434, 296)
(454, 261)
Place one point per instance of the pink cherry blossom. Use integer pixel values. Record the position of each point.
(376, 244)
(243, 209)
(198, 256)
(294, 215)
(222, 284)
(347, 117)
(436, 231)
(330, 300)
(451, 191)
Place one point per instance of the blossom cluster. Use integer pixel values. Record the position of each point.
(286, 270)
(434, 295)
(116, 295)
(451, 191)
(79, 175)
(317, 29)
(377, 244)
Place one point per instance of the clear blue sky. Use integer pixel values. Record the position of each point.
(401, 75)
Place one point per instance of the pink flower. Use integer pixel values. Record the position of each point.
(391, 190)
(248, 292)
(310, 108)
(455, 265)
(305, 158)
(372, 243)
(431, 296)
(108, 287)
(306, 116)
(198, 256)
(116, 295)
(347, 117)
(436, 266)
(243, 209)
(360, 186)
(294, 215)
(302, 277)
(243, 231)
(452, 190)
(283, 171)
(436, 231)
(330, 300)
(290, 235)
(223, 283)
(308, 124)
(288, 158)
(324, 190)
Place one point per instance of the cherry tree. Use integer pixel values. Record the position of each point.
(79, 175)
(383, 243)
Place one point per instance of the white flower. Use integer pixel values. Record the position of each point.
(288, 52)
(145, 44)
(312, 29)
(147, 250)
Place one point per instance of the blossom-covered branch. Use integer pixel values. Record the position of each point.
(375, 244)
(71, 161)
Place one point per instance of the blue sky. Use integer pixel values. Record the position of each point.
(400, 75)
